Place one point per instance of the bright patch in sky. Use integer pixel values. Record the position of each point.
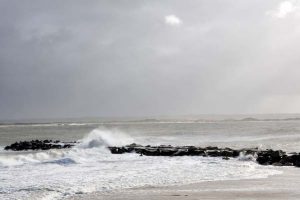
(172, 20)
(284, 8)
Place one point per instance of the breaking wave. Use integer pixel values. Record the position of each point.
(94, 142)
(90, 167)
(105, 137)
(248, 157)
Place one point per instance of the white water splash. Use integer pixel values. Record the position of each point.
(89, 167)
(102, 137)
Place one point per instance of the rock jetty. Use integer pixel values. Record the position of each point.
(263, 157)
(39, 145)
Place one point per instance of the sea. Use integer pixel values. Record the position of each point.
(89, 166)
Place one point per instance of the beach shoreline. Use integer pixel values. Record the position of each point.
(91, 171)
(281, 186)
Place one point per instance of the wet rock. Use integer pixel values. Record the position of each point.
(212, 148)
(181, 152)
(38, 145)
(263, 160)
(214, 153)
(263, 157)
(270, 156)
(295, 159)
(134, 145)
(235, 153)
(227, 153)
(117, 150)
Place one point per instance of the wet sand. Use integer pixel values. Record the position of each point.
(283, 186)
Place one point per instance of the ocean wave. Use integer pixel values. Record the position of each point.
(97, 140)
(30, 157)
(90, 167)
(248, 157)
(62, 161)
(102, 137)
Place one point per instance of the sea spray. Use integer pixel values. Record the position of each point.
(89, 167)
(102, 137)
(247, 157)
(30, 157)
(94, 142)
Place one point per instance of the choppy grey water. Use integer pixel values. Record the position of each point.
(89, 167)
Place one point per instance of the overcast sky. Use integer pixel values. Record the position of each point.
(78, 58)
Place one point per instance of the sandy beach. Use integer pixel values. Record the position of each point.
(283, 186)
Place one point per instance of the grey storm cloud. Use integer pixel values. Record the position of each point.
(146, 58)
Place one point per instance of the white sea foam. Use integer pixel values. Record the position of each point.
(103, 137)
(249, 157)
(90, 167)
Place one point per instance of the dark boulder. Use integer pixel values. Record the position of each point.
(263, 160)
(37, 145)
(211, 148)
(214, 153)
(117, 150)
(295, 159)
(227, 153)
(270, 156)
